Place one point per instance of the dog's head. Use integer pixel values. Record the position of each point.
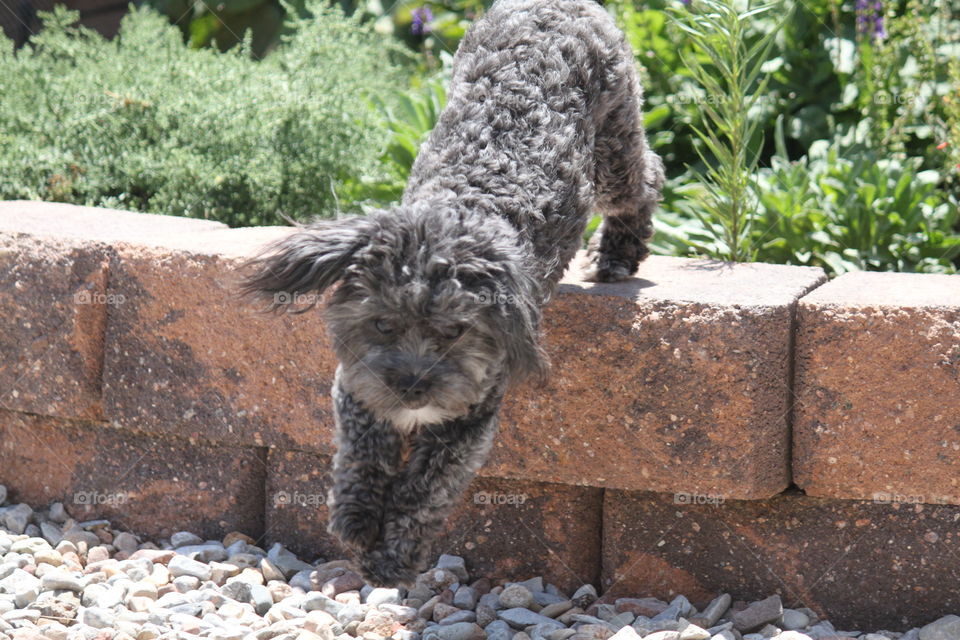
(433, 308)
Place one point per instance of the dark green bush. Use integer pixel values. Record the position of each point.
(145, 123)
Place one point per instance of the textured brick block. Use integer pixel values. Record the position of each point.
(878, 388)
(184, 355)
(862, 564)
(54, 219)
(677, 380)
(147, 485)
(52, 316)
(505, 529)
(54, 303)
(513, 530)
(297, 514)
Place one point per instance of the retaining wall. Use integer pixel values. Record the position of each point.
(706, 427)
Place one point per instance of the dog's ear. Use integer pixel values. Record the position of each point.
(307, 262)
(520, 309)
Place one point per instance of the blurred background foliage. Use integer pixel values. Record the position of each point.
(855, 133)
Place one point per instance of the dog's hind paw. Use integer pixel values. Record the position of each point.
(600, 268)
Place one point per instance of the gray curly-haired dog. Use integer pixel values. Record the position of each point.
(438, 303)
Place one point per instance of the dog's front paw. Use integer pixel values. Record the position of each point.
(388, 568)
(356, 527)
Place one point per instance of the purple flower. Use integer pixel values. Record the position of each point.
(421, 21)
(879, 32)
(863, 16)
(870, 18)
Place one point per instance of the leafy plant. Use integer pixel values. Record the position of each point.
(146, 123)
(845, 207)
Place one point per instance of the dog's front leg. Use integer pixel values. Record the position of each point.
(444, 459)
(366, 461)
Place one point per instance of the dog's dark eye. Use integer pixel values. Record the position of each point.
(384, 326)
(453, 331)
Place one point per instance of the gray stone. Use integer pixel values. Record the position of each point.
(270, 571)
(485, 615)
(758, 614)
(186, 584)
(694, 632)
(97, 617)
(350, 613)
(207, 552)
(491, 600)
(459, 616)
(184, 566)
(126, 542)
(533, 584)
(109, 597)
(520, 618)
(794, 620)
(399, 612)
(31, 615)
(3, 494)
(256, 594)
(16, 518)
(714, 611)
(557, 608)
(381, 595)
(584, 596)
(30, 546)
(465, 597)
(516, 596)
(285, 560)
(626, 633)
(458, 631)
(26, 596)
(18, 580)
(58, 513)
(454, 564)
(304, 580)
(437, 579)
(51, 533)
(60, 579)
(542, 631)
(76, 535)
(315, 601)
(499, 630)
(679, 607)
(946, 628)
(184, 538)
(543, 598)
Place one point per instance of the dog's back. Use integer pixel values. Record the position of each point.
(534, 85)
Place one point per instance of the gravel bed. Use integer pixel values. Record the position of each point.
(61, 579)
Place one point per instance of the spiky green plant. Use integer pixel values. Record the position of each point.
(729, 70)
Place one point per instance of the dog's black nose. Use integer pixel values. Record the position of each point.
(413, 386)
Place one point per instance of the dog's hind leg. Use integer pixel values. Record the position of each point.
(444, 460)
(628, 179)
(367, 459)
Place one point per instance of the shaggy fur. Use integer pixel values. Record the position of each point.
(437, 308)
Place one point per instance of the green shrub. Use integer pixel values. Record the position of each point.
(145, 123)
(841, 207)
